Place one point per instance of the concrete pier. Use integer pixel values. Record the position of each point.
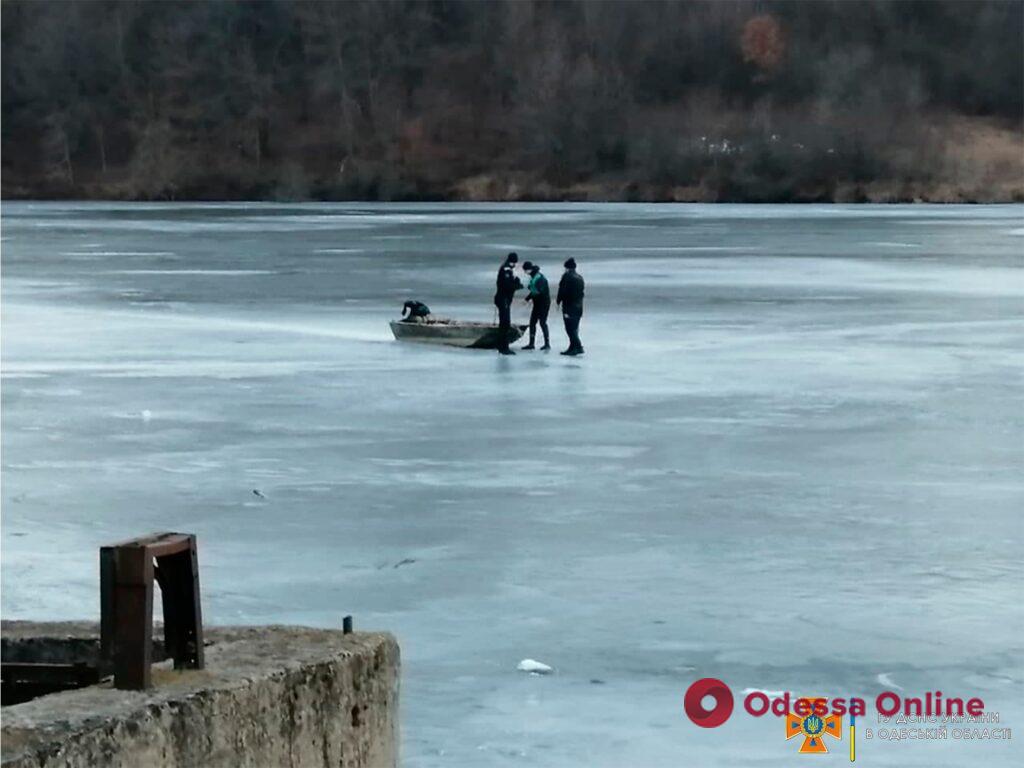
(269, 696)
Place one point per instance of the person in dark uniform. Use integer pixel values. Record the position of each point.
(539, 295)
(570, 299)
(507, 285)
(417, 311)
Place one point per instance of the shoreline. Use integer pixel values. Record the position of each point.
(916, 201)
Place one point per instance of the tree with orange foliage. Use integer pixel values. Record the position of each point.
(763, 43)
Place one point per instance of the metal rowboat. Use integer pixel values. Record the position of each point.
(454, 333)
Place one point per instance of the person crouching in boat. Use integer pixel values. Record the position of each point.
(539, 294)
(415, 312)
(507, 285)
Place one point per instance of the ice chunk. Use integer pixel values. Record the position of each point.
(534, 667)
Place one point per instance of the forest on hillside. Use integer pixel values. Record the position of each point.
(514, 99)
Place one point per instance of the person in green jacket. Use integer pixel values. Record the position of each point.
(539, 294)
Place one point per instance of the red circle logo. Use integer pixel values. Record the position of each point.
(708, 718)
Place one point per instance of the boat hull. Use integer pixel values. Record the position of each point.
(454, 334)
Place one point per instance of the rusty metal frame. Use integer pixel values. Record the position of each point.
(127, 571)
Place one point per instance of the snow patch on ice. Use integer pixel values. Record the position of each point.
(117, 253)
(765, 691)
(888, 682)
(210, 272)
(601, 451)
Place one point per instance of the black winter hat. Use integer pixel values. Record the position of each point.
(570, 263)
(528, 265)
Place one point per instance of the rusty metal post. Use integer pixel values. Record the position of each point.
(107, 610)
(133, 630)
(178, 576)
(192, 624)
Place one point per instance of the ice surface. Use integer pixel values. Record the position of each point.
(791, 457)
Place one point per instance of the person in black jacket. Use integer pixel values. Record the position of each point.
(570, 299)
(507, 285)
(418, 312)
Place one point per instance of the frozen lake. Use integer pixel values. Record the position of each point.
(791, 458)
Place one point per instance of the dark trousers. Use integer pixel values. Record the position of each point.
(572, 329)
(539, 315)
(504, 323)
